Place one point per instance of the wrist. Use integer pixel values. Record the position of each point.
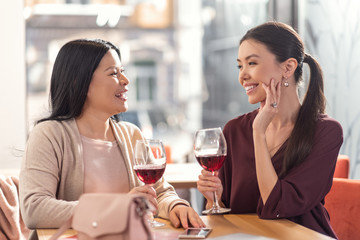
(258, 136)
(178, 205)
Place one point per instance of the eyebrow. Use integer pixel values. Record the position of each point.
(111, 67)
(250, 56)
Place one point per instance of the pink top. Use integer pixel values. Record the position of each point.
(104, 167)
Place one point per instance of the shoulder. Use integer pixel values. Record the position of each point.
(53, 132)
(240, 128)
(127, 127)
(328, 125)
(242, 121)
(54, 129)
(328, 133)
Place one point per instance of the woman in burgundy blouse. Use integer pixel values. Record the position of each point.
(281, 157)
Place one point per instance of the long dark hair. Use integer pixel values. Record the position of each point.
(283, 41)
(71, 76)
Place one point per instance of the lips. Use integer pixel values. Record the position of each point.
(250, 88)
(122, 96)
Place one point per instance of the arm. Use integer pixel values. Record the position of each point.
(265, 172)
(177, 210)
(306, 185)
(167, 198)
(39, 182)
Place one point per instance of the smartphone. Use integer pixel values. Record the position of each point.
(195, 233)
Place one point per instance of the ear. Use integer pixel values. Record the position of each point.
(289, 67)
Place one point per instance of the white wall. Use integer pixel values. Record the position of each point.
(12, 84)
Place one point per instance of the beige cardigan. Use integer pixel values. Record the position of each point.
(51, 177)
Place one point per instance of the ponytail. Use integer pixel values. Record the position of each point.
(302, 137)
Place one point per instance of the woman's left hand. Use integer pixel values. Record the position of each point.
(270, 108)
(182, 215)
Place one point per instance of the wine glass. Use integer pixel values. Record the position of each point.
(149, 164)
(210, 151)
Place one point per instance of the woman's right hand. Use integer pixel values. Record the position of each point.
(208, 184)
(148, 192)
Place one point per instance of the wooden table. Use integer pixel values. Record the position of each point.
(182, 175)
(232, 226)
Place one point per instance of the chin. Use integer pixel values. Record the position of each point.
(251, 101)
(256, 100)
(123, 108)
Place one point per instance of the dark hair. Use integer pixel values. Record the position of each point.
(73, 69)
(283, 41)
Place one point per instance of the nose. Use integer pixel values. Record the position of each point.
(123, 80)
(243, 75)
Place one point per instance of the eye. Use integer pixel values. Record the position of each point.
(122, 70)
(252, 63)
(239, 66)
(114, 73)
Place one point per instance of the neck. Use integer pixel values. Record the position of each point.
(95, 127)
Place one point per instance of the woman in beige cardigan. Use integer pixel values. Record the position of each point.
(81, 148)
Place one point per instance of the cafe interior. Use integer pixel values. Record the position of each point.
(180, 59)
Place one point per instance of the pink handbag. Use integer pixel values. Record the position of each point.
(109, 216)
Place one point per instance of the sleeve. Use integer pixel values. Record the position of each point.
(167, 198)
(306, 185)
(39, 179)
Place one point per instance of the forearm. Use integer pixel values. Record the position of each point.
(167, 198)
(45, 212)
(265, 172)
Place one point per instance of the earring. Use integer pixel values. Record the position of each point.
(286, 83)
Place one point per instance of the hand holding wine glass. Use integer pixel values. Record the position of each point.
(149, 163)
(210, 151)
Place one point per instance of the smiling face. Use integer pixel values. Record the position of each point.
(257, 65)
(108, 87)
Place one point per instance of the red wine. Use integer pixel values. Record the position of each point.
(211, 163)
(149, 174)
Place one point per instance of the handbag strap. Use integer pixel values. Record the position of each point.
(65, 226)
(142, 207)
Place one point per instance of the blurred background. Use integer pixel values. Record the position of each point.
(180, 57)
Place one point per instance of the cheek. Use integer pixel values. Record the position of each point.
(266, 80)
(266, 75)
(239, 78)
(272, 72)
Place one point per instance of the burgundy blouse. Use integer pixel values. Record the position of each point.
(299, 196)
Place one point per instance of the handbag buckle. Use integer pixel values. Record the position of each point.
(142, 206)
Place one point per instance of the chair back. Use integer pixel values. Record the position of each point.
(342, 167)
(343, 205)
(11, 222)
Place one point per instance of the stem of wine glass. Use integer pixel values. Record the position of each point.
(216, 202)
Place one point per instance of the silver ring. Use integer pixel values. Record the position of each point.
(274, 105)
